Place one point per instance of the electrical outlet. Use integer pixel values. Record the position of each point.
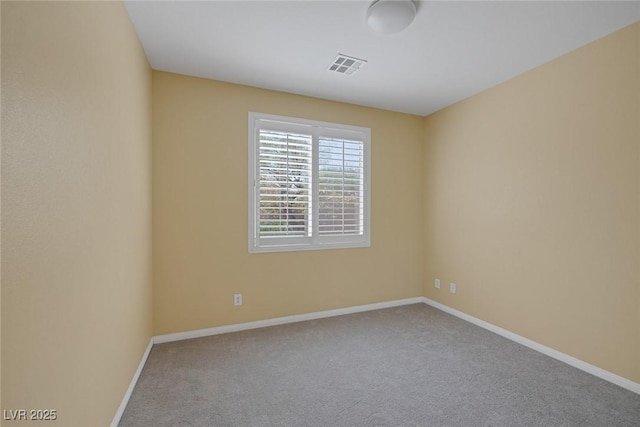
(452, 288)
(437, 284)
(237, 299)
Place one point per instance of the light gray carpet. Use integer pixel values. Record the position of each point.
(406, 366)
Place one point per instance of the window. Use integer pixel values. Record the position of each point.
(308, 184)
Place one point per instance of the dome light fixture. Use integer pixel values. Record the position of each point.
(391, 16)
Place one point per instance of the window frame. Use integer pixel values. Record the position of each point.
(317, 129)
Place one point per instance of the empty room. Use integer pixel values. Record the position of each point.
(320, 213)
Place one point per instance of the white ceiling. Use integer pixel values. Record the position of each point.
(452, 50)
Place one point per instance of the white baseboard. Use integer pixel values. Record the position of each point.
(569, 360)
(282, 320)
(134, 381)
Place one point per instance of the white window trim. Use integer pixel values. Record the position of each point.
(313, 242)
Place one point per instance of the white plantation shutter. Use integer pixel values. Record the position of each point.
(308, 184)
(285, 184)
(340, 187)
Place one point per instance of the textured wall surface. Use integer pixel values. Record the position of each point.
(200, 231)
(76, 208)
(532, 198)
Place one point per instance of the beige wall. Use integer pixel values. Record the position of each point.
(532, 196)
(76, 177)
(200, 254)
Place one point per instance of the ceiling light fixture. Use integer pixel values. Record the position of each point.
(391, 16)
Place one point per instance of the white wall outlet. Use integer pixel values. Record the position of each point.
(237, 299)
(452, 288)
(437, 284)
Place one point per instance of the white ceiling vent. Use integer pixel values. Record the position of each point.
(344, 64)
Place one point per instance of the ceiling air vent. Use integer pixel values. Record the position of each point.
(344, 64)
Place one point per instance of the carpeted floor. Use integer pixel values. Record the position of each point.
(406, 366)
